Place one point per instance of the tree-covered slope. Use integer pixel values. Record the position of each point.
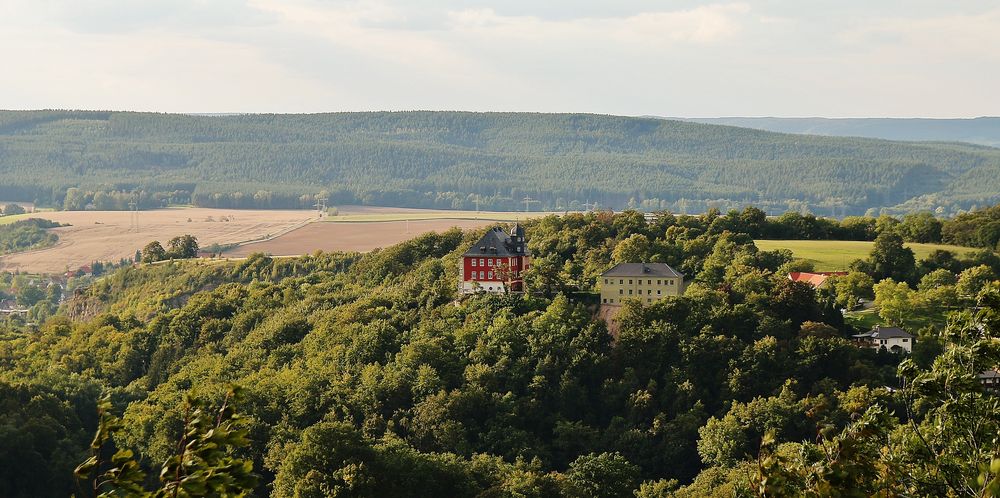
(367, 375)
(444, 159)
(982, 130)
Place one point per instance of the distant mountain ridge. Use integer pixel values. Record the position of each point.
(982, 130)
(471, 160)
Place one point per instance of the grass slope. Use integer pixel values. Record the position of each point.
(834, 255)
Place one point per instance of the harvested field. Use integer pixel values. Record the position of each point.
(353, 214)
(355, 236)
(108, 236)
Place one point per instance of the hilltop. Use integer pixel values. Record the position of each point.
(451, 159)
(982, 130)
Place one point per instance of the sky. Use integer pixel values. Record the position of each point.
(833, 58)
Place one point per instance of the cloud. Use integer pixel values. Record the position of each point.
(684, 57)
(122, 16)
(706, 24)
(934, 36)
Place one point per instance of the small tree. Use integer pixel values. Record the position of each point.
(894, 300)
(204, 464)
(153, 252)
(183, 247)
(12, 209)
(852, 287)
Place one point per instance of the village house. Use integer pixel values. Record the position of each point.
(816, 279)
(647, 282)
(893, 339)
(496, 263)
(990, 380)
(10, 307)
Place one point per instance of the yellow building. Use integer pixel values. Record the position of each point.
(646, 282)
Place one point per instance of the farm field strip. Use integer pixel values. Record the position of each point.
(833, 255)
(368, 214)
(110, 235)
(348, 237)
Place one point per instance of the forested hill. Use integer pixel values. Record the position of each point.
(448, 159)
(982, 130)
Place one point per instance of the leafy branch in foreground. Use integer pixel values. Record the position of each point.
(203, 465)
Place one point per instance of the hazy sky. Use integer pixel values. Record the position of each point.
(670, 58)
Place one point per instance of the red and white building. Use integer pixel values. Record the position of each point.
(496, 263)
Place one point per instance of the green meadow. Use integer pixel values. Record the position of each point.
(834, 255)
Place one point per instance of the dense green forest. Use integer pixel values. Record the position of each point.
(23, 235)
(982, 130)
(361, 375)
(107, 160)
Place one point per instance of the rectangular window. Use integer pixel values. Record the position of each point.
(489, 262)
(621, 281)
(612, 301)
(481, 275)
(605, 300)
(671, 281)
(490, 276)
(473, 261)
(649, 300)
(605, 280)
(621, 291)
(659, 282)
(657, 292)
(630, 292)
(630, 281)
(649, 282)
(906, 340)
(482, 262)
(650, 291)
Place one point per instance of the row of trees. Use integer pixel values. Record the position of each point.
(180, 247)
(12, 209)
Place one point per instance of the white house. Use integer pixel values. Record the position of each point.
(892, 339)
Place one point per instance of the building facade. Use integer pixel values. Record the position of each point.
(893, 339)
(496, 263)
(646, 282)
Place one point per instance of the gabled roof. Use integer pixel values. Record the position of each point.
(496, 242)
(642, 270)
(816, 278)
(885, 333)
(990, 374)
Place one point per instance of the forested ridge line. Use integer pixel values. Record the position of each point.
(453, 159)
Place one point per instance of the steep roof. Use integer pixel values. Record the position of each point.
(496, 242)
(642, 270)
(814, 279)
(885, 333)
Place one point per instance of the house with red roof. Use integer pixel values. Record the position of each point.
(815, 279)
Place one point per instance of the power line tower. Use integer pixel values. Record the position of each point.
(527, 201)
(321, 206)
(133, 206)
